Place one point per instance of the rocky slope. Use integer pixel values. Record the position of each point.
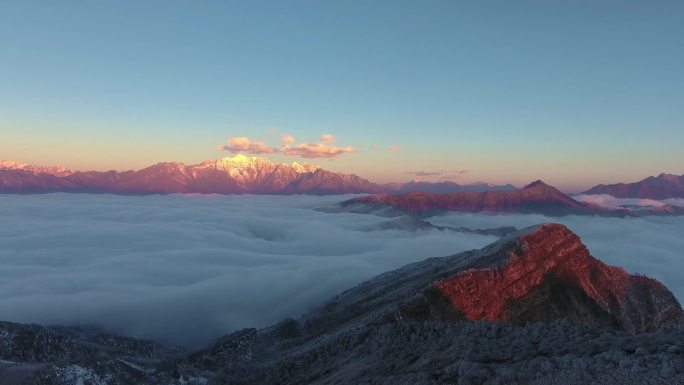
(663, 186)
(549, 274)
(236, 175)
(535, 198)
(463, 319)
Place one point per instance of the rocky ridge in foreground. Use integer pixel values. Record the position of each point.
(532, 308)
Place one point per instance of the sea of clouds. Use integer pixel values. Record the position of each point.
(185, 269)
(606, 200)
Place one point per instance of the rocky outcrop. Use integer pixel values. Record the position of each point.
(549, 274)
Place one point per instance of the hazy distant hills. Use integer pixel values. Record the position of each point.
(236, 175)
(535, 198)
(445, 187)
(534, 307)
(663, 186)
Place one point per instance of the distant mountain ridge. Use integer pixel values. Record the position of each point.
(663, 186)
(235, 175)
(446, 187)
(535, 198)
(12, 165)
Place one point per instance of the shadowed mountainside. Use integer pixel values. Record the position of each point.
(663, 186)
(535, 198)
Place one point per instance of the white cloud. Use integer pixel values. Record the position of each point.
(243, 144)
(327, 139)
(611, 201)
(317, 150)
(187, 269)
(286, 139)
(325, 148)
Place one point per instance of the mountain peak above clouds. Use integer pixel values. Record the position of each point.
(663, 186)
(537, 184)
(239, 174)
(536, 197)
(13, 165)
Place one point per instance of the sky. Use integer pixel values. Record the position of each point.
(571, 92)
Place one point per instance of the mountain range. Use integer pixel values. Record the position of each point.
(663, 186)
(237, 175)
(535, 198)
(531, 308)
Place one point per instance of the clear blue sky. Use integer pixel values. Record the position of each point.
(573, 92)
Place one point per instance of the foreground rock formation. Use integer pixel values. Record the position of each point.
(549, 274)
(469, 318)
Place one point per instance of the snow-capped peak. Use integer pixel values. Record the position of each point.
(14, 165)
(242, 162)
(304, 168)
(238, 161)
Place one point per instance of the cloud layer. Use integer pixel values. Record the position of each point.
(187, 269)
(611, 201)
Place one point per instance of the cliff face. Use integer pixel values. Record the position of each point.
(548, 274)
